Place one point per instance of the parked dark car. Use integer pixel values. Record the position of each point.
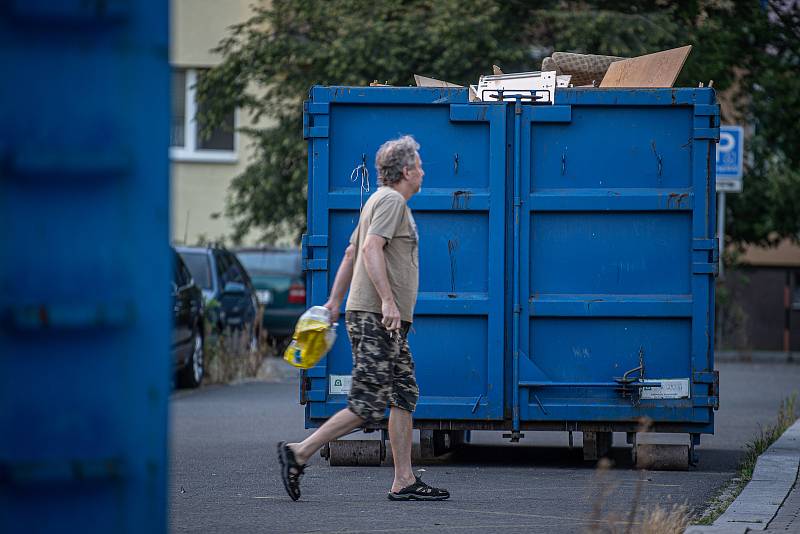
(187, 327)
(225, 283)
(278, 278)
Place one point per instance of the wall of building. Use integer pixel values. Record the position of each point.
(755, 315)
(199, 188)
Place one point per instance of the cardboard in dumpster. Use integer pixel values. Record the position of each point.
(424, 81)
(653, 70)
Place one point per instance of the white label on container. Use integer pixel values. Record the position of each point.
(677, 388)
(339, 384)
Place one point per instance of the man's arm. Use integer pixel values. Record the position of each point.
(375, 262)
(340, 284)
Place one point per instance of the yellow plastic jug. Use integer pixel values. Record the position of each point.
(313, 337)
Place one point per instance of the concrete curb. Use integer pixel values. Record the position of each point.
(773, 477)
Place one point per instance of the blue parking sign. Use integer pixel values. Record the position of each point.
(730, 153)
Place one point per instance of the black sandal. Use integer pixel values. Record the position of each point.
(419, 491)
(290, 470)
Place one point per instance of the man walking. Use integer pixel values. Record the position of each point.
(381, 267)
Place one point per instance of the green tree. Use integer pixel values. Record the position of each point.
(272, 60)
(269, 73)
(768, 209)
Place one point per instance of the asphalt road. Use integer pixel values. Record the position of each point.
(224, 473)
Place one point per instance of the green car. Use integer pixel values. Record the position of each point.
(280, 287)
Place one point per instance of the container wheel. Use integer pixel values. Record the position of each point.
(434, 443)
(353, 452)
(596, 445)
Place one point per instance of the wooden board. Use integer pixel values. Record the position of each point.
(653, 70)
(423, 81)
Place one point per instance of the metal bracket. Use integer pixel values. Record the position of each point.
(711, 111)
(305, 386)
(706, 133)
(712, 246)
(314, 112)
(311, 242)
(705, 268)
(712, 379)
(708, 110)
(514, 436)
(551, 114)
(469, 112)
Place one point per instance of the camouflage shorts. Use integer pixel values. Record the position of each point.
(383, 370)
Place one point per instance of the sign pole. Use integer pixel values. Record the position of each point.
(721, 230)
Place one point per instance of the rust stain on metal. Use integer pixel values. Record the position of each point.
(452, 246)
(461, 199)
(675, 200)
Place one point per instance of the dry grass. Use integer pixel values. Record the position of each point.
(663, 520)
(666, 521)
(638, 519)
(229, 357)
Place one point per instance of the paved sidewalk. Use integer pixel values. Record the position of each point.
(771, 500)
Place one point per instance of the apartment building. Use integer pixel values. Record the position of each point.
(202, 168)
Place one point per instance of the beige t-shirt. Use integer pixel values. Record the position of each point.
(387, 215)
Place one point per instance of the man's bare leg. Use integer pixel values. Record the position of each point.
(400, 436)
(337, 426)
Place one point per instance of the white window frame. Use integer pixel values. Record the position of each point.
(189, 151)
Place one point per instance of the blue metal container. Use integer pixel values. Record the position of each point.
(567, 254)
(85, 266)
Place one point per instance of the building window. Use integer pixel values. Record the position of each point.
(187, 142)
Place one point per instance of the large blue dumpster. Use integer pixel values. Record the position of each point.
(85, 266)
(567, 254)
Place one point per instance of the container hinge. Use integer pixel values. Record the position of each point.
(315, 119)
(708, 110)
(309, 242)
(712, 379)
(711, 268)
(712, 246)
(706, 133)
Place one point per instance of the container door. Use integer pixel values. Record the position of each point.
(615, 258)
(85, 267)
(457, 336)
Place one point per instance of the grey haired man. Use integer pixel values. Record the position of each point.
(381, 268)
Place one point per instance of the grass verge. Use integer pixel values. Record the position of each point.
(787, 415)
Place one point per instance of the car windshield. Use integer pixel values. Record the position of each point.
(258, 263)
(198, 265)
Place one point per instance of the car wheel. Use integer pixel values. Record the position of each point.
(191, 376)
